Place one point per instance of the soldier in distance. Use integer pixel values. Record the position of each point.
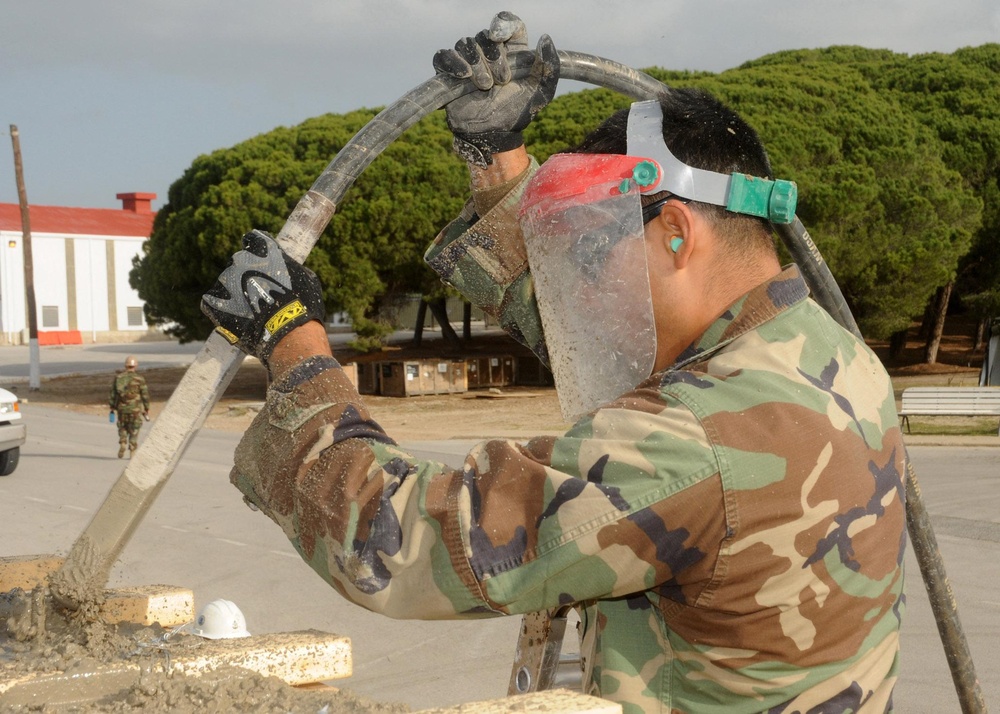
(129, 402)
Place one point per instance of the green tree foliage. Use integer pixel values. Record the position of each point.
(569, 118)
(887, 213)
(895, 158)
(957, 96)
(370, 251)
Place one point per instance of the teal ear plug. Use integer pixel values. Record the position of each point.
(675, 243)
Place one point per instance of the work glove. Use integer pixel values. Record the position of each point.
(261, 296)
(490, 121)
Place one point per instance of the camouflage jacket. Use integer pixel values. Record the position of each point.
(732, 530)
(129, 394)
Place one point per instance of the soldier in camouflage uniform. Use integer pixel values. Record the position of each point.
(129, 399)
(731, 529)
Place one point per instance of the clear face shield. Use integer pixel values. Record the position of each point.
(581, 218)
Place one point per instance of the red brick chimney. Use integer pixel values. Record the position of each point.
(136, 202)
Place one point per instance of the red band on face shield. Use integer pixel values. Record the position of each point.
(594, 176)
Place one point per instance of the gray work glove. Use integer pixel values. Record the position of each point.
(261, 296)
(491, 120)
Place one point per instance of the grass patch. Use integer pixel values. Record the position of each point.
(953, 426)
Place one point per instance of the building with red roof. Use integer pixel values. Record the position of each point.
(81, 258)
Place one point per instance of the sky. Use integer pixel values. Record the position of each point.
(114, 96)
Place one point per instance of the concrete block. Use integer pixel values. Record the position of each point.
(552, 701)
(26, 571)
(148, 604)
(295, 657)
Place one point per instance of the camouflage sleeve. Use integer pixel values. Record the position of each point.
(144, 394)
(516, 529)
(113, 395)
(483, 257)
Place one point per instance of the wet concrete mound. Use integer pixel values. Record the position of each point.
(132, 650)
(57, 660)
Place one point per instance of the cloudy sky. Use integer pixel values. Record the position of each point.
(112, 96)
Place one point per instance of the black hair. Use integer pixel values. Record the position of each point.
(704, 133)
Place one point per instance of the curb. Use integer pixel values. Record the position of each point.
(950, 440)
(19, 380)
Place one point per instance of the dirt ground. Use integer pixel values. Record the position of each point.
(515, 412)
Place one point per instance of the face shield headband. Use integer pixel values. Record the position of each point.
(739, 193)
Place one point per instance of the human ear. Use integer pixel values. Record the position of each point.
(676, 221)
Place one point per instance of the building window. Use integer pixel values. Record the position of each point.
(50, 316)
(135, 317)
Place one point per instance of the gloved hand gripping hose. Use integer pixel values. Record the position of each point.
(89, 562)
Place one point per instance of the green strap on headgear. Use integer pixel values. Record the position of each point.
(739, 193)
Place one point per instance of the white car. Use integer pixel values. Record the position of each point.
(12, 432)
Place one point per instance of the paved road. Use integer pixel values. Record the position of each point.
(199, 535)
(57, 360)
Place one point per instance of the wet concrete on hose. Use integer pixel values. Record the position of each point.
(55, 660)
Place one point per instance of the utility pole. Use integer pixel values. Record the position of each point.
(34, 378)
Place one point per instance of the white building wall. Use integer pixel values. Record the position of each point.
(51, 287)
(48, 256)
(91, 286)
(12, 315)
(125, 250)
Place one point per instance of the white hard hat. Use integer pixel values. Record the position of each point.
(220, 620)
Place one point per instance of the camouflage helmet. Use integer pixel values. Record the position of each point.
(131, 361)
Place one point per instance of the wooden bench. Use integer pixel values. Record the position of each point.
(949, 401)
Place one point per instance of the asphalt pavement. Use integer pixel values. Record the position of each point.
(99, 358)
(200, 535)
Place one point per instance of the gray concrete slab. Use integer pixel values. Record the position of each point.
(961, 490)
(200, 535)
